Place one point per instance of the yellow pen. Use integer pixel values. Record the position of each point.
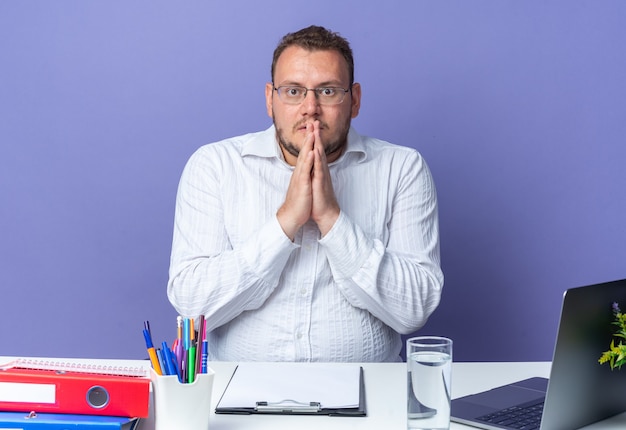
(151, 352)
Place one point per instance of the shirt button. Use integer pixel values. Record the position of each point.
(299, 335)
(303, 291)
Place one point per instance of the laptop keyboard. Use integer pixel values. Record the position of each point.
(525, 417)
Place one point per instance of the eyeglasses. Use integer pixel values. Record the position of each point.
(294, 95)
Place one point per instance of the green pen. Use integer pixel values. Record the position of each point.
(191, 365)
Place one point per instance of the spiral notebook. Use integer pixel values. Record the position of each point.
(81, 365)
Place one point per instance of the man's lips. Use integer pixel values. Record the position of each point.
(303, 127)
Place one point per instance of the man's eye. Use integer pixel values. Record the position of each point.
(327, 92)
(294, 92)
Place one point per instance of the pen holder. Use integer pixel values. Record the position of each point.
(182, 406)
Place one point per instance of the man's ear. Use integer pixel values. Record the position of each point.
(269, 98)
(356, 99)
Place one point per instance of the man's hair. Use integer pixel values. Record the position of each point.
(316, 38)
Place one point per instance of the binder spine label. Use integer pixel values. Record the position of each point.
(27, 393)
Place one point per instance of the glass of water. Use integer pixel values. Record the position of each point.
(429, 370)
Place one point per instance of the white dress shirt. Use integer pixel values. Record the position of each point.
(344, 297)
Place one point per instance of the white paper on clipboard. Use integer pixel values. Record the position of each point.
(331, 385)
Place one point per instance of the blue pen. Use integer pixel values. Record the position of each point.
(186, 334)
(161, 358)
(169, 362)
(175, 366)
(205, 348)
(151, 352)
(205, 356)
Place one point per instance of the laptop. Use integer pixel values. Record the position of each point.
(580, 390)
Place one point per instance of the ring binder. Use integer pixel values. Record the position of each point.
(288, 406)
(24, 390)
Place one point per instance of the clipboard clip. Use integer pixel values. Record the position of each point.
(288, 406)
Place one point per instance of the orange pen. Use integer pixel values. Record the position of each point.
(151, 351)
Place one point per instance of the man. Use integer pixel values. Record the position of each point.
(307, 241)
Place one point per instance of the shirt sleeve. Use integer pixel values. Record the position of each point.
(399, 281)
(207, 276)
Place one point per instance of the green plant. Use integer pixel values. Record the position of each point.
(616, 355)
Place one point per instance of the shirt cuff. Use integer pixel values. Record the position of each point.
(347, 248)
(267, 252)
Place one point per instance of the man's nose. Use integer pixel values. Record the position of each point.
(311, 102)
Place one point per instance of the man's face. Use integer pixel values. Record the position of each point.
(311, 69)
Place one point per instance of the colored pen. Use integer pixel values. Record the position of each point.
(192, 332)
(169, 361)
(199, 340)
(178, 347)
(185, 368)
(175, 366)
(205, 356)
(185, 331)
(151, 352)
(191, 372)
(162, 364)
(205, 350)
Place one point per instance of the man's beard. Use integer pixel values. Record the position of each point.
(330, 148)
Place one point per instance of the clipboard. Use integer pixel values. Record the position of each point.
(295, 389)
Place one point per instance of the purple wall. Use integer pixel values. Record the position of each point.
(519, 108)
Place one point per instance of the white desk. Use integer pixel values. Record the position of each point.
(385, 386)
(385, 392)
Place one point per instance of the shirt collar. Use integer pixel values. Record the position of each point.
(263, 144)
